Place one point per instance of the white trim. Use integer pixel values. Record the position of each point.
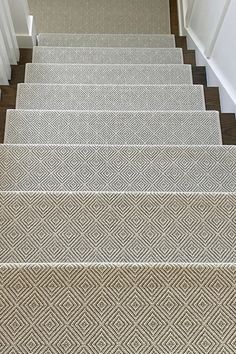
(215, 77)
(210, 49)
(189, 13)
(28, 40)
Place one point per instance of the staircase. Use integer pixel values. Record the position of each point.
(117, 197)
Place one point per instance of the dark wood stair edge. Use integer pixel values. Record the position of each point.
(212, 97)
(8, 99)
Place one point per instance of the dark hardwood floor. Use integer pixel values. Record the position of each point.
(8, 100)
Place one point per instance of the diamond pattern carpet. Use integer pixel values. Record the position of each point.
(118, 168)
(109, 74)
(108, 308)
(96, 55)
(110, 97)
(117, 227)
(111, 128)
(106, 40)
(117, 197)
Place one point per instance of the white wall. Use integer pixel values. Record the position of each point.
(23, 23)
(211, 31)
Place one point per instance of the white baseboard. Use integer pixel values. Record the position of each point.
(27, 40)
(214, 76)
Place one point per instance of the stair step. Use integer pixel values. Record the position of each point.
(123, 128)
(94, 55)
(110, 97)
(118, 168)
(106, 40)
(128, 74)
(117, 227)
(118, 308)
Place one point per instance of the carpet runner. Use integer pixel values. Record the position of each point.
(113, 128)
(106, 40)
(112, 308)
(110, 97)
(103, 16)
(118, 168)
(129, 74)
(117, 197)
(96, 55)
(44, 227)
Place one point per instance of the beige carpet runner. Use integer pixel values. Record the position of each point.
(117, 197)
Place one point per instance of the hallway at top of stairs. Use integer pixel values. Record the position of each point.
(103, 16)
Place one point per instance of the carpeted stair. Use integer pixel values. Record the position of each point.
(96, 55)
(107, 40)
(109, 128)
(117, 197)
(113, 74)
(110, 97)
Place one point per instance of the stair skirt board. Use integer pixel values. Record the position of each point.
(113, 128)
(128, 74)
(118, 168)
(118, 308)
(110, 97)
(107, 40)
(96, 55)
(117, 227)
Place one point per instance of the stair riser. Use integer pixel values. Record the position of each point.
(109, 74)
(106, 40)
(113, 227)
(111, 128)
(118, 168)
(107, 55)
(110, 97)
(118, 309)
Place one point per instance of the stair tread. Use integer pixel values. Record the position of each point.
(121, 308)
(103, 74)
(106, 40)
(124, 128)
(118, 168)
(110, 97)
(126, 227)
(96, 55)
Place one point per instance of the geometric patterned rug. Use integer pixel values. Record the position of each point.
(102, 74)
(106, 40)
(113, 128)
(111, 97)
(118, 168)
(117, 227)
(114, 309)
(77, 55)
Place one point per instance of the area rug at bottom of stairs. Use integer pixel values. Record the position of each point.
(118, 308)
